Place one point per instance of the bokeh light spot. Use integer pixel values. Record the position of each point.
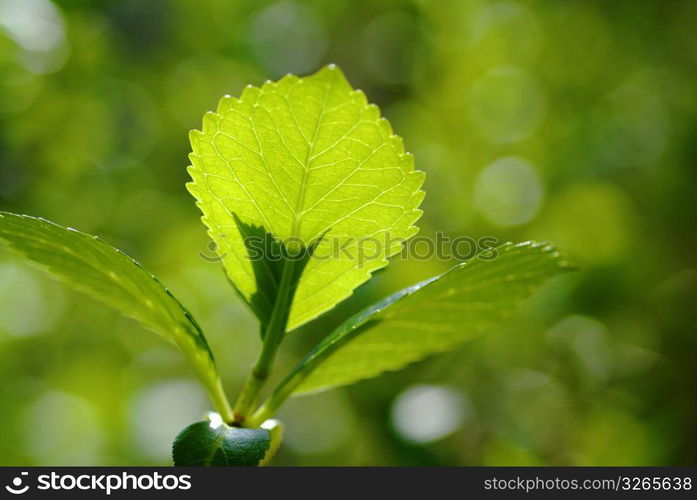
(35, 24)
(37, 27)
(36, 308)
(507, 104)
(589, 341)
(63, 429)
(630, 127)
(427, 413)
(160, 411)
(505, 31)
(508, 192)
(318, 424)
(591, 221)
(289, 37)
(389, 44)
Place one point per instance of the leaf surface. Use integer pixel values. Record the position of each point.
(207, 444)
(430, 317)
(92, 266)
(306, 160)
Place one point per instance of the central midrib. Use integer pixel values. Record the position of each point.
(297, 216)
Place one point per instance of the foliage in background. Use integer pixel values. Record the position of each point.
(572, 122)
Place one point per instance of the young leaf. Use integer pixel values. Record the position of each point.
(216, 444)
(303, 158)
(430, 317)
(91, 266)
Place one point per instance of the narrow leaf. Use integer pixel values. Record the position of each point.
(91, 266)
(433, 316)
(304, 158)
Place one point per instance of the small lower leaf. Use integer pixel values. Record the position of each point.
(213, 443)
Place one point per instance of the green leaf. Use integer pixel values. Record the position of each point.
(212, 443)
(433, 316)
(91, 266)
(304, 158)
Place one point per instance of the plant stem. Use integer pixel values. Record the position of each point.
(273, 336)
(268, 409)
(220, 401)
(204, 367)
(284, 390)
(297, 376)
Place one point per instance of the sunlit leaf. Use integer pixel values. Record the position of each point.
(304, 159)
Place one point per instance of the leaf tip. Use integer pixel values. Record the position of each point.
(332, 68)
(333, 71)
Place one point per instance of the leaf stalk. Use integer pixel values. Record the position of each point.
(273, 337)
(220, 400)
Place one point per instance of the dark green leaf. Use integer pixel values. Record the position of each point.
(214, 443)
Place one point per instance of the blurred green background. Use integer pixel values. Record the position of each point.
(565, 121)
